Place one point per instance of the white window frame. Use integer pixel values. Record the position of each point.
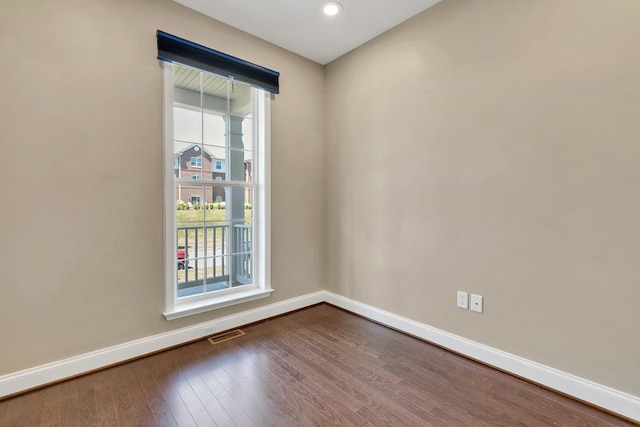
(175, 308)
(191, 162)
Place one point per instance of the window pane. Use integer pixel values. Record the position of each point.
(248, 166)
(203, 275)
(214, 91)
(215, 203)
(214, 271)
(247, 132)
(211, 274)
(235, 204)
(214, 128)
(243, 269)
(222, 159)
(238, 166)
(187, 127)
(192, 196)
(240, 94)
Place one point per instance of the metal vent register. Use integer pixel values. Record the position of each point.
(225, 336)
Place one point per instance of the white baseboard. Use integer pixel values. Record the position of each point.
(588, 391)
(30, 378)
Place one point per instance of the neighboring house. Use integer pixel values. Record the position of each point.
(196, 164)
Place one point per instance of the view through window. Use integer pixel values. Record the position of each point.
(214, 185)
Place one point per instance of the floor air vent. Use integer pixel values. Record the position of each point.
(225, 336)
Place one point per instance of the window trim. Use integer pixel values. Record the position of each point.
(195, 164)
(261, 288)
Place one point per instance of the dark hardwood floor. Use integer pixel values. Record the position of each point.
(317, 367)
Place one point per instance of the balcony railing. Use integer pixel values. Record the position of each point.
(210, 258)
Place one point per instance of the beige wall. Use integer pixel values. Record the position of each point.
(493, 146)
(81, 215)
(500, 158)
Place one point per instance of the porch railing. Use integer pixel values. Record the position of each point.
(207, 258)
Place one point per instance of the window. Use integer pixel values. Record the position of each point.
(216, 254)
(196, 162)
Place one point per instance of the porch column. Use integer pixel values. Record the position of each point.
(235, 203)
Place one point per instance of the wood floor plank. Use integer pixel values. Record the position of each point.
(345, 379)
(132, 405)
(203, 357)
(310, 398)
(87, 408)
(213, 407)
(69, 403)
(281, 369)
(235, 402)
(350, 356)
(19, 411)
(176, 370)
(285, 394)
(288, 365)
(34, 403)
(50, 411)
(161, 411)
(450, 382)
(169, 382)
(315, 367)
(404, 394)
(237, 369)
(103, 398)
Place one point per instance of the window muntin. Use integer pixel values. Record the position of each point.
(216, 241)
(196, 162)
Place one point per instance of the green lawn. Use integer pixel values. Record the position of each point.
(191, 217)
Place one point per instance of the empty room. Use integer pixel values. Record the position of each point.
(296, 213)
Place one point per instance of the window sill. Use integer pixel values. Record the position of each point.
(189, 309)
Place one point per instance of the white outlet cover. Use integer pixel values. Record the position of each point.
(476, 303)
(462, 300)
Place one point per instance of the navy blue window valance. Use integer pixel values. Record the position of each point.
(175, 49)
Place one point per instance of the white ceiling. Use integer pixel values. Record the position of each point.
(301, 27)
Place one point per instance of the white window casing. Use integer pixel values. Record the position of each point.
(260, 286)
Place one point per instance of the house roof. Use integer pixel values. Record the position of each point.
(217, 153)
(180, 148)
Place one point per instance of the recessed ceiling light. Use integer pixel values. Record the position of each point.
(332, 8)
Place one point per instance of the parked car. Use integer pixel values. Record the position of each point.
(183, 258)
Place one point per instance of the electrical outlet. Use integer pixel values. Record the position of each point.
(209, 329)
(476, 303)
(463, 300)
